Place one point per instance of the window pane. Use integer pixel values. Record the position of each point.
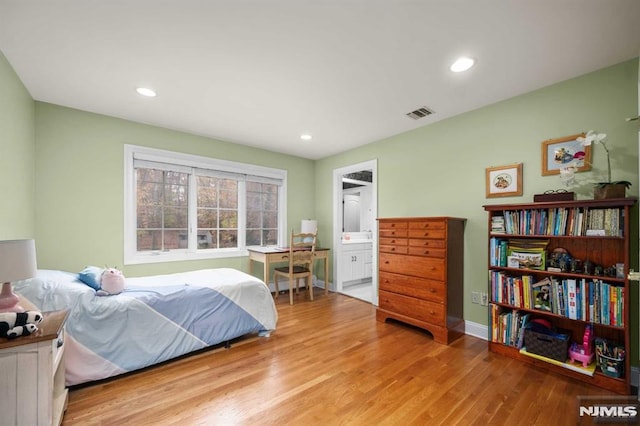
(149, 240)
(228, 199)
(175, 217)
(253, 237)
(175, 239)
(262, 214)
(253, 219)
(228, 219)
(228, 238)
(207, 239)
(270, 219)
(270, 237)
(149, 217)
(207, 218)
(228, 184)
(162, 209)
(270, 202)
(176, 195)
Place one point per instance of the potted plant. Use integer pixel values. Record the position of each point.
(608, 189)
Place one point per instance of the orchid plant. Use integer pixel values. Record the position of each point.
(567, 174)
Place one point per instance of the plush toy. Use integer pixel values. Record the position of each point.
(16, 324)
(111, 282)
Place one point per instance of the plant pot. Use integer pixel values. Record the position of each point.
(609, 190)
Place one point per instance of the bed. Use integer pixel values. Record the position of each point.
(155, 319)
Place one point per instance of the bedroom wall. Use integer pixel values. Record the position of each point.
(17, 148)
(79, 186)
(439, 170)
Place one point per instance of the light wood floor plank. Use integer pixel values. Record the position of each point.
(330, 363)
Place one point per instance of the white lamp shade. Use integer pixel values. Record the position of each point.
(309, 226)
(17, 260)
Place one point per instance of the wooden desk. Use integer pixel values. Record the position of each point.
(269, 255)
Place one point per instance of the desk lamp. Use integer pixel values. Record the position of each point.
(17, 262)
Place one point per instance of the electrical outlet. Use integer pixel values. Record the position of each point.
(484, 299)
(475, 297)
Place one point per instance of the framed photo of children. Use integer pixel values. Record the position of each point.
(565, 152)
(504, 181)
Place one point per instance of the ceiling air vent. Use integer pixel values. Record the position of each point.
(419, 113)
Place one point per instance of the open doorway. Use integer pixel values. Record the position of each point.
(355, 236)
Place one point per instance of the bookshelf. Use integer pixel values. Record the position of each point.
(565, 263)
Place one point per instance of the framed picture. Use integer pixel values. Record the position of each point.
(529, 259)
(504, 181)
(565, 152)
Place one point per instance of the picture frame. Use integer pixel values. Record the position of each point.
(504, 181)
(529, 259)
(565, 152)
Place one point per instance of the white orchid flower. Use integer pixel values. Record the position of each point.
(591, 137)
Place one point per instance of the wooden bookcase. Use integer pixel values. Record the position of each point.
(563, 225)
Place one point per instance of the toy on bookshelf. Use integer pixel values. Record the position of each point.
(583, 353)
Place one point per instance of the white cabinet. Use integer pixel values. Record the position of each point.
(32, 375)
(356, 261)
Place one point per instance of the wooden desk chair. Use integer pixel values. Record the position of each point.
(302, 250)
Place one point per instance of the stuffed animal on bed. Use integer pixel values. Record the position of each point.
(16, 324)
(111, 282)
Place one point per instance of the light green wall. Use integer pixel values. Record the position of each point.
(79, 186)
(439, 169)
(17, 147)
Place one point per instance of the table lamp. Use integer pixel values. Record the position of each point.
(309, 226)
(17, 262)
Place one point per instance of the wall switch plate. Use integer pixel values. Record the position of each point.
(475, 297)
(484, 299)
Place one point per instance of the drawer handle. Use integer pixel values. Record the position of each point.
(432, 312)
(393, 249)
(59, 343)
(426, 234)
(393, 241)
(426, 252)
(386, 262)
(432, 290)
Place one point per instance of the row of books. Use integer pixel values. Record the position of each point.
(507, 326)
(561, 221)
(579, 299)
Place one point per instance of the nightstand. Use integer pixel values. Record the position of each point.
(32, 373)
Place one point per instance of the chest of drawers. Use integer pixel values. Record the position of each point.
(421, 264)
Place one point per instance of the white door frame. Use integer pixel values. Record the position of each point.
(337, 221)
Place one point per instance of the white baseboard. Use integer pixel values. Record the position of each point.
(476, 330)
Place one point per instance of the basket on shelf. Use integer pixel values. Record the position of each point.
(609, 358)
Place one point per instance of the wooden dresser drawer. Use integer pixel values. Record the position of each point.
(392, 233)
(417, 266)
(393, 241)
(394, 249)
(440, 243)
(427, 233)
(427, 224)
(419, 309)
(420, 288)
(429, 252)
(392, 225)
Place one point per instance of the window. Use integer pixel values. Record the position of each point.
(181, 207)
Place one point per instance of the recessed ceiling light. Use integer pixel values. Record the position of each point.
(145, 91)
(305, 137)
(462, 64)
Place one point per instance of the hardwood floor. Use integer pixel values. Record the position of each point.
(330, 363)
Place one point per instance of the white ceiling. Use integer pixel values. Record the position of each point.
(262, 72)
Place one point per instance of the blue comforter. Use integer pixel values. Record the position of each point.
(155, 319)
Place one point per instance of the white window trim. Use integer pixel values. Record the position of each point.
(131, 255)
